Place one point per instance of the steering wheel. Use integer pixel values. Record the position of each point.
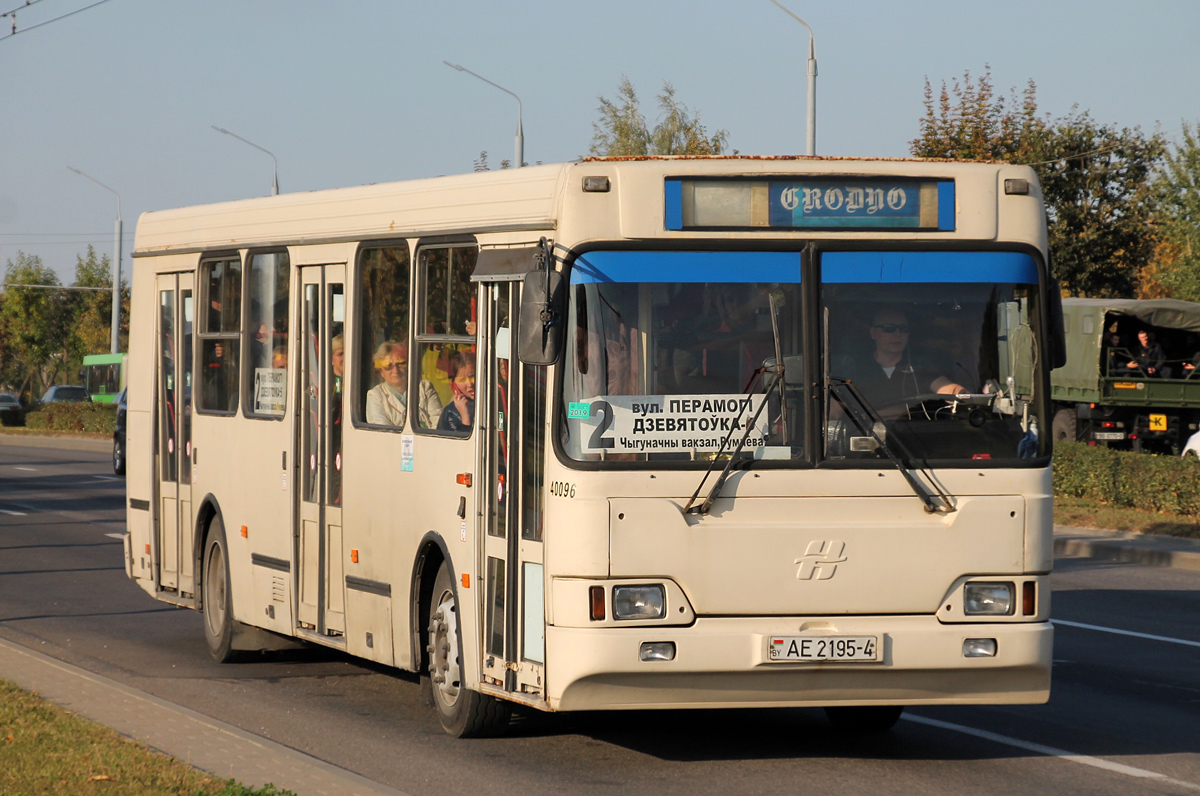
(928, 405)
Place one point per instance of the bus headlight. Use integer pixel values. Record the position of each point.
(988, 599)
(639, 602)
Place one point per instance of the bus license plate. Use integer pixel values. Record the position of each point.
(823, 648)
(1106, 435)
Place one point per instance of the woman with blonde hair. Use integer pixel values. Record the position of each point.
(387, 402)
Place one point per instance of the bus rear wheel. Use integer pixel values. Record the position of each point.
(463, 713)
(217, 607)
(864, 719)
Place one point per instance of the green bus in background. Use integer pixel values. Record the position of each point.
(104, 376)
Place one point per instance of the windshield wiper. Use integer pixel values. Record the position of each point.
(778, 370)
(936, 499)
(710, 498)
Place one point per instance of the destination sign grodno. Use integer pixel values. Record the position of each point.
(846, 203)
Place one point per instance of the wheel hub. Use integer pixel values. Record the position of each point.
(443, 652)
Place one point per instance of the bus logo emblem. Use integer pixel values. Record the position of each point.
(820, 560)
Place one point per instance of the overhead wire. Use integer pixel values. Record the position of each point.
(13, 14)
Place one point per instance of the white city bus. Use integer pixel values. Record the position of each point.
(609, 434)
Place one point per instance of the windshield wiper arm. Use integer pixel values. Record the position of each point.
(778, 370)
(936, 499)
(710, 498)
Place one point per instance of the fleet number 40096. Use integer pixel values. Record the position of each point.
(562, 489)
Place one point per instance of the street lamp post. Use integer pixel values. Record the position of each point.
(812, 83)
(116, 288)
(275, 178)
(520, 143)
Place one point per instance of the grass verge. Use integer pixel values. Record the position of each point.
(1087, 513)
(48, 750)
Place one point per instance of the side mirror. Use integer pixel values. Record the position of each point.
(543, 319)
(1054, 326)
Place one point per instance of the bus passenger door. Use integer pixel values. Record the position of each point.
(173, 440)
(319, 571)
(511, 467)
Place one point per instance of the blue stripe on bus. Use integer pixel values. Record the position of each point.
(883, 267)
(945, 196)
(636, 266)
(673, 204)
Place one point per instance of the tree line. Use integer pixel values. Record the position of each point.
(46, 328)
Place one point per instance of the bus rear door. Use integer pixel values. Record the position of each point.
(319, 570)
(173, 440)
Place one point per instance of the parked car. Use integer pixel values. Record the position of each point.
(66, 392)
(1192, 449)
(119, 434)
(11, 411)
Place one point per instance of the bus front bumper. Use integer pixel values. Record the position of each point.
(722, 663)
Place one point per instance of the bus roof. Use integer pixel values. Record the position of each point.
(524, 199)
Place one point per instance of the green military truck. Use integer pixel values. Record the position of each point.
(1108, 393)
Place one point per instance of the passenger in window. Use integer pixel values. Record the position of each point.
(262, 344)
(458, 416)
(279, 357)
(387, 402)
(1118, 356)
(1148, 356)
(1191, 367)
(337, 360)
(220, 392)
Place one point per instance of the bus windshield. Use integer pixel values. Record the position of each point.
(939, 346)
(672, 356)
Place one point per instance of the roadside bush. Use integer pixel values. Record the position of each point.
(1120, 478)
(76, 417)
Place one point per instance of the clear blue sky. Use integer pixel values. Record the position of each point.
(355, 92)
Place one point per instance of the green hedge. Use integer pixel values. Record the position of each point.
(73, 417)
(1120, 478)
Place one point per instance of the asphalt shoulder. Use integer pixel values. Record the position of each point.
(78, 442)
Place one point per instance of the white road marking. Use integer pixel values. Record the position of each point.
(28, 469)
(12, 513)
(1113, 630)
(107, 478)
(115, 535)
(1050, 751)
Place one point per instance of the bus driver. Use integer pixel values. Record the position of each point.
(890, 377)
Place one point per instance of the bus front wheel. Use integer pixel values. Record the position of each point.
(464, 713)
(217, 607)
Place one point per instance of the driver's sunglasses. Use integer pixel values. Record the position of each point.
(892, 328)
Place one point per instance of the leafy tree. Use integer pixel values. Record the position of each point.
(91, 330)
(34, 323)
(1096, 179)
(1099, 187)
(1176, 268)
(976, 124)
(622, 131)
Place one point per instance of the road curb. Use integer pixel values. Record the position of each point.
(203, 742)
(1155, 551)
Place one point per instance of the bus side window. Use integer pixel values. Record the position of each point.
(267, 288)
(221, 283)
(383, 302)
(446, 339)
